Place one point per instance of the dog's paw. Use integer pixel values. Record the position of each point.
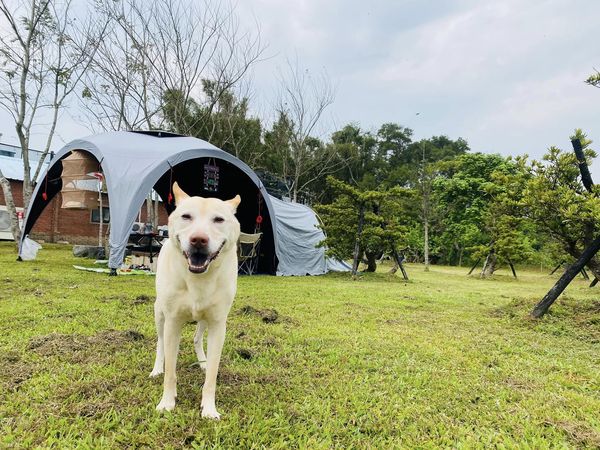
(210, 413)
(166, 405)
(156, 372)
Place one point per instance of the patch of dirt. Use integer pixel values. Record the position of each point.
(395, 321)
(15, 371)
(111, 298)
(266, 315)
(80, 349)
(244, 353)
(143, 299)
(579, 433)
(517, 308)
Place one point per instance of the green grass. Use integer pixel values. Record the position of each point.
(445, 360)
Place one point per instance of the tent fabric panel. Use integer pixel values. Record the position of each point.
(298, 235)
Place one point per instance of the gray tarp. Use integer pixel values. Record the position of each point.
(298, 228)
(133, 162)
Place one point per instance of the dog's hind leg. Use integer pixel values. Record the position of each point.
(159, 361)
(172, 336)
(199, 343)
(216, 338)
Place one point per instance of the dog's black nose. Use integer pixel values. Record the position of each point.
(199, 240)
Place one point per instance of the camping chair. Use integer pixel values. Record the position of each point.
(248, 245)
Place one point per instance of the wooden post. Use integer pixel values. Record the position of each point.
(399, 260)
(512, 268)
(557, 267)
(542, 307)
(584, 274)
(474, 265)
(586, 178)
(594, 283)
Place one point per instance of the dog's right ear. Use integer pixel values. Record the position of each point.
(178, 193)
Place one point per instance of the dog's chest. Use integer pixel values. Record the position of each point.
(199, 304)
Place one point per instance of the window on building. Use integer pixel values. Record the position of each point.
(105, 215)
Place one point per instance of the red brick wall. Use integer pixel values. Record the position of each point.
(71, 225)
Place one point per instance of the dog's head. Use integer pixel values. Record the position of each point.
(203, 228)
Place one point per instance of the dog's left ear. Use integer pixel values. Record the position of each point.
(179, 194)
(234, 202)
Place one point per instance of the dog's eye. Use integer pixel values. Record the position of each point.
(186, 217)
(218, 219)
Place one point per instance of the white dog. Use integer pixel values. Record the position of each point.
(196, 280)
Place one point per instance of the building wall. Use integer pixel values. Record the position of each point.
(74, 226)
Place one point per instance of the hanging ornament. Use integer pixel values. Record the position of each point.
(45, 193)
(211, 176)
(170, 196)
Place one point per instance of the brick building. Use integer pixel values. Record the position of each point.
(75, 226)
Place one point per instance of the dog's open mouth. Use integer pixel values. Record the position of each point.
(199, 260)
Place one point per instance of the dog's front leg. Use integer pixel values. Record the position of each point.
(159, 361)
(198, 343)
(171, 337)
(216, 338)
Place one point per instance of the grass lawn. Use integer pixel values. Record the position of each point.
(444, 360)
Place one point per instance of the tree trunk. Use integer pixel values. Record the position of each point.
(490, 264)
(361, 221)
(11, 208)
(426, 243)
(544, 305)
(371, 262)
(149, 211)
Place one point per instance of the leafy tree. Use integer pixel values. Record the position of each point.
(222, 120)
(364, 222)
(557, 201)
(358, 150)
(464, 199)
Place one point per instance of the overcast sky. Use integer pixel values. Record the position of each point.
(507, 75)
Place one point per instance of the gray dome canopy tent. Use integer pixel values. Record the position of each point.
(133, 163)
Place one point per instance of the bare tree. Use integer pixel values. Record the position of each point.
(302, 101)
(164, 50)
(43, 56)
(159, 55)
